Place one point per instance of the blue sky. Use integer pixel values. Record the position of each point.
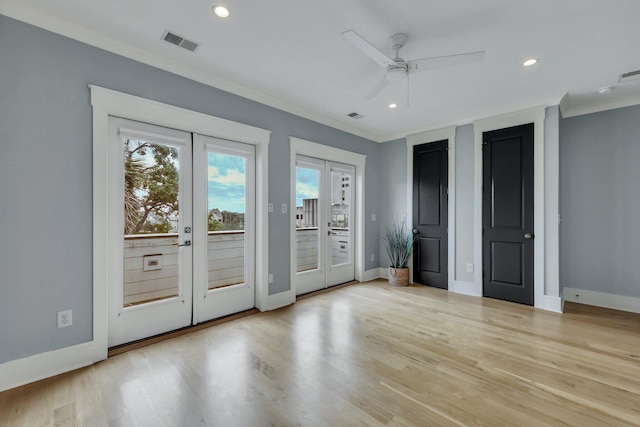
(306, 184)
(226, 180)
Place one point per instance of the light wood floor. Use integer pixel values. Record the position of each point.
(366, 355)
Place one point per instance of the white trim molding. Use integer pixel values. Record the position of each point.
(465, 288)
(601, 299)
(448, 134)
(42, 19)
(44, 365)
(374, 273)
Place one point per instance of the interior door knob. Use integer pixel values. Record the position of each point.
(416, 231)
(528, 236)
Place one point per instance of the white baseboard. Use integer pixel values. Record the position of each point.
(466, 288)
(374, 273)
(550, 303)
(48, 364)
(601, 299)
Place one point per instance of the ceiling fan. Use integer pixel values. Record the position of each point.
(399, 70)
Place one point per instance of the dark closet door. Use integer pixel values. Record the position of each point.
(507, 214)
(430, 214)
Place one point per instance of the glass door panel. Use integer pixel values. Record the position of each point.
(307, 216)
(342, 267)
(151, 219)
(224, 188)
(151, 212)
(341, 213)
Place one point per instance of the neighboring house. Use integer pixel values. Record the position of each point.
(217, 215)
(46, 162)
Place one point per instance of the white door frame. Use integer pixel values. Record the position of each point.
(105, 103)
(311, 149)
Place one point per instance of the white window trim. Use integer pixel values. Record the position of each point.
(311, 149)
(107, 103)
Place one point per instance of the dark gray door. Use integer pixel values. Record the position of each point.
(507, 214)
(430, 214)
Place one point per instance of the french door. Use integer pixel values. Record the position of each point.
(225, 221)
(324, 224)
(181, 227)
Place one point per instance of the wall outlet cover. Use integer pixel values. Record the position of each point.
(65, 318)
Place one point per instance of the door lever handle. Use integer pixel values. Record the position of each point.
(528, 236)
(186, 243)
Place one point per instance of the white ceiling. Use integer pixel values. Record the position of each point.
(290, 53)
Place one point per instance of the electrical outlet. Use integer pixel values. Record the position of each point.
(270, 277)
(284, 208)
(271, 207)
(65, 318)
(469, 268)
(373, 257)
(373, 217)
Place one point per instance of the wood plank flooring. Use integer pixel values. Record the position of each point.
(362, 355)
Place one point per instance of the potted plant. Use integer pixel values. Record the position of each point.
(399, 245)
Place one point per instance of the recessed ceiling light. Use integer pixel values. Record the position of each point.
(393, 105)
(605, 90)
(221, 11)
(529, 62)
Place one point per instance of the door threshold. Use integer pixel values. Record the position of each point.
(328, 289)
(123, 348)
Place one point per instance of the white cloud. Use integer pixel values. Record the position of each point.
(231, 177)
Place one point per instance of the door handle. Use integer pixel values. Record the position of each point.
(186, 243)
(528, 236)
(415, 231)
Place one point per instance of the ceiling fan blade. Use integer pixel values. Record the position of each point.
(377, 89)
(373, 53)
(436, 62)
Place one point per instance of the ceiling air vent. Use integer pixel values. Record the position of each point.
(631, 75)
(355, 115)
(173, 38)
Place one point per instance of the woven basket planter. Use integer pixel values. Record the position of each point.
(398, 276)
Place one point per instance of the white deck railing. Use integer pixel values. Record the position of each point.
(151, 261)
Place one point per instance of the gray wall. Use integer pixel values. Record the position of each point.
(46, 176)
(600, 201)
(465, 173)
(392, 188)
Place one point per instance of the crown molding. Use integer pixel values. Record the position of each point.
(49, 22)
